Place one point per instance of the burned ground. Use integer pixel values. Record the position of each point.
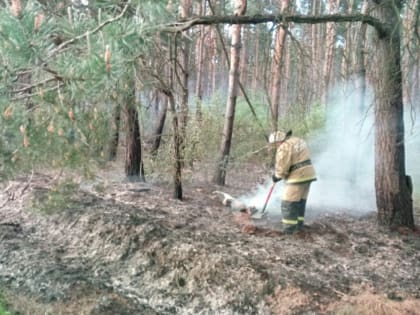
(129, 248)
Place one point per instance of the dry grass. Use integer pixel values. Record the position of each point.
(370, 303)
(24, 305)
(287, 301)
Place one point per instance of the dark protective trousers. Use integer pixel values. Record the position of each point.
(293, 205)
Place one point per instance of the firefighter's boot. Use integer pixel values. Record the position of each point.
(290, 211)
(301, 214)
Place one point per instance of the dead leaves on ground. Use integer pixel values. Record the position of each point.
(247, 225)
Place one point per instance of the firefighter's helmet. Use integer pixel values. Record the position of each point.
(279, 136)
(276, 136)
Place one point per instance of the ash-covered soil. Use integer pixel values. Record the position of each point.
(130, 248)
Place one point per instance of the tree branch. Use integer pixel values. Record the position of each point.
(24, 96)
(96, 29)
(184, 24)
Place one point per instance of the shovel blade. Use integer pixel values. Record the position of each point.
(259, 215)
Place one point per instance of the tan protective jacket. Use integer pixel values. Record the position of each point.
(293, 162)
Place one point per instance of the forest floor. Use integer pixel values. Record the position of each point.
(107, 246)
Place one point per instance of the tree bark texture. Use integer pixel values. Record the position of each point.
(393, 197)
(330, 42)
(200, 64)
(360, 60)
(185, 8)
(213, 62)
(316, 47)
(346, 65)
(243, 69)
(133, 154)
(176, 133)
(177, 159)
(157, 133)
(257, 75)
(115, 136)
(277, 68)
(411, 60)
(220, 174)
(184, 24)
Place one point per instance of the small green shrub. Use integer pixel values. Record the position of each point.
(4, 308)
(59, 198)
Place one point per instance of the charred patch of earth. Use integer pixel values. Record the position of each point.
(127, 249)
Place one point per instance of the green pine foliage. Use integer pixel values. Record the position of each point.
(61, 116)
(3, 307)
(250, 132)
(57, 99)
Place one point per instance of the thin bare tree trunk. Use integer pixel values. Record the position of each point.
(410, 46)
(133, 154)
(361, 62)
(115, 136)
(347, 62)
(287, 85)
(316, 48)
(256, 76)
(157, 134)
(277, 68)
(177, 158)
(177, 176)
(220, 174)
(244, 58)
(200, 63)
(329, 53)
(213, 64)
(185, 11)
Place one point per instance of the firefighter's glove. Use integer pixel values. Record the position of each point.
(276, 179)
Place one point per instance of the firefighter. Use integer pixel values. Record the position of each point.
(294, 166)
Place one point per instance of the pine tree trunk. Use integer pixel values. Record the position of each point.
(393, 197)
(115, 136)
(157, 133)
(361, 62)
(256, 77)
(213, 65)
(186, 7)
(289, 86)
(133, 155)
(409, 59)
(277, 69)
(316, 49)
(177, 159)
(183, 74)
(329, 52)
(347, 61)
(244, 58)
(220, 174)
(200, 65)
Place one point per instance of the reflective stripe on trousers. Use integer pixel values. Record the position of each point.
(290, 212)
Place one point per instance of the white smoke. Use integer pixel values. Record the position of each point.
(343, 157)
(412, 148)
(260, 195)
